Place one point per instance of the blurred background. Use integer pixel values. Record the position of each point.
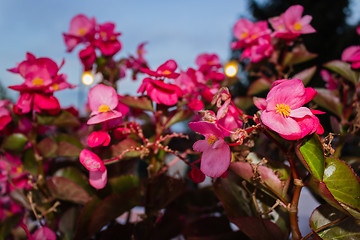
(180, 31)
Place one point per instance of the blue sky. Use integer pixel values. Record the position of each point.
(180, 30)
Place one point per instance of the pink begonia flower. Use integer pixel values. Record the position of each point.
(166, 70)
(207, 61)
(331, 82)
(160, 92)
(248, 32)
(258, 51)
(87, 57)
(283, 110)
(103, 101)
(216, 156)
(96, 167)
(352, 54)
(231, 120)
(81, 30)
(98, 138)
(107, 41)
(196, 175)
(138, 62)
(291, 23)
(44, 233)
(5, 116)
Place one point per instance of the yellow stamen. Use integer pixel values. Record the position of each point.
(283, 109)
(19, 169)
(38, 82)
(244, 35)
(297, 26)
(211, 139)
(55, 86)
(254, 36)
(103, 34)
(166, 72)
(104, 108)
(82, 31)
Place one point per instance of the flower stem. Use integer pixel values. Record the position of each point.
(293, 207)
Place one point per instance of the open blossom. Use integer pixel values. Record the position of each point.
(81, 30)
(352, 54)
(166, 70)
(41, 80)
(107, 41)
(160, 92)
(258, 51)
(216, 156)
(96, 167)
(291, 23)
(103, 101)
(247, 32)
(283, 110)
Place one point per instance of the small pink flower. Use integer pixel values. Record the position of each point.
(291, 23)
(44, 233)
(331, 82)
(166, 70)
(107, 41)
(283, 110)
(96, 167)
(98, 138)
(88, 57)
(5, 117)
(196, 175)
(103, 101)
(216, 156)
(207, 62)
(160, 92)
(231, 120)
(81, 30)
(259, 50)
(352, 54)
(248, 32)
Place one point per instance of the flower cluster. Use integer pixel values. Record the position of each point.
(84, 30)
(258, 40)
(41, 81)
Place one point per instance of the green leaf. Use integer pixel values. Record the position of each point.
(305, 75)
(66, 119)
(63, 119)
(76, 176)
(29, 162)
(311, 154)
(343, 184)
(345, 229)
(298, 55)
(8, 224)
(67, 223)
(112, 207)
(258, 86)
(329, 100)
(66, 149)
(65, 189)
(47, 147)
(179, 116)
(123, 183)
(143, 102)
(344, 69)
(15, 142)
(70, 139)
